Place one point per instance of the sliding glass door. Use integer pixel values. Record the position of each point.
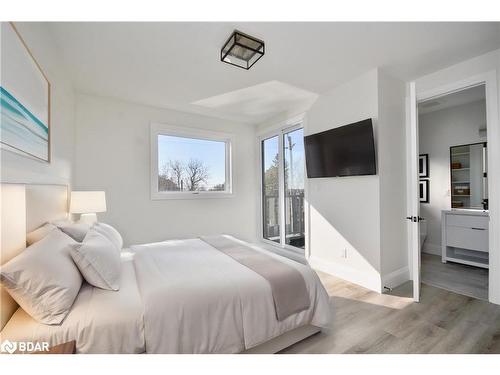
(283, 188)
(270, 189)
(293, 150)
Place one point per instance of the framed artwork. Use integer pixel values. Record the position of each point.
(423, 166)
(24, 99)
(424, 191)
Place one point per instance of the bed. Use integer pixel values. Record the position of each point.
(178, 296)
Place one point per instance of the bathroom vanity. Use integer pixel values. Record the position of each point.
(464, 237)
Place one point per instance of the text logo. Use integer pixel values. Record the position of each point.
(23, 346)
(8, 347)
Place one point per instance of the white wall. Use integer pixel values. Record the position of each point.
(17, 168)
(363, 214)
(113, 154)
(392, 172)
(438, 131)
(345, 212)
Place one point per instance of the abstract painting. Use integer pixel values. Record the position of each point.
(24, 99)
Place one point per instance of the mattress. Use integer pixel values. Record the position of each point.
(100, 321)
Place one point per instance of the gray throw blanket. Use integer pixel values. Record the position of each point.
(287, 284)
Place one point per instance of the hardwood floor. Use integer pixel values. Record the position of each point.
(459, 278)
(368, 322)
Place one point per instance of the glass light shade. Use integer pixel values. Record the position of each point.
(84, 202)
(242, 50)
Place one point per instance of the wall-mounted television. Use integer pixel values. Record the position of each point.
(344, 151)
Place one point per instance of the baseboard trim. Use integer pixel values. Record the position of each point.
(372, 282)
(431, 248)
(396, 278)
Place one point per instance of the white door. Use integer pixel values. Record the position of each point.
(413, 192)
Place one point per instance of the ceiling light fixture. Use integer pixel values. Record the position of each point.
(242, 50)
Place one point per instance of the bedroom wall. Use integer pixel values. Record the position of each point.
(357, 231)
(392, 172)
(23, 169)
(344, 213)
(113, 154)
(437, 132)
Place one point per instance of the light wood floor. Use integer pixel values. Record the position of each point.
(459, 278)
(368, 322)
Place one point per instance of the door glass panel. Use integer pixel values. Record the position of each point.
(270, 189)
(293, 152)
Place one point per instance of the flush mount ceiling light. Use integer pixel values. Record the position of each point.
(242, 50)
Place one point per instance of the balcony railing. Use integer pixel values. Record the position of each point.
(294, 218)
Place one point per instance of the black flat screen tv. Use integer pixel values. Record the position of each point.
(344, 151)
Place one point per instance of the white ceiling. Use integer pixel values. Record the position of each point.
(174, 65)
(470, 95)
(260, 102)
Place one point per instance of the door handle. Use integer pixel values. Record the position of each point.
(477, 228)
(414, 219)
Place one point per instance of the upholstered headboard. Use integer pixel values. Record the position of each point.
(25, 207)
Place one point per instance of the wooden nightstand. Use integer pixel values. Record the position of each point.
(66, 348)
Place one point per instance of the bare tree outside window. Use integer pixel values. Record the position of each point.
(176, 171)
(193, 176)
(197, 174)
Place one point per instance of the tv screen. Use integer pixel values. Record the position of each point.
(344, 151)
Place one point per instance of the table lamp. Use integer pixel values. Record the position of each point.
(87, 204)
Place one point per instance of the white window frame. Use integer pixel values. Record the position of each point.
(280, 130)
(176, 131)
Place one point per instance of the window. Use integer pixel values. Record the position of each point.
(283, 165)
(189, 163)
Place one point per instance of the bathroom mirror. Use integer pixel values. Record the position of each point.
(468, 166)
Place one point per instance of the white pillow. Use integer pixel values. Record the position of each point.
(77, 231)
(98, 259)
(43, 279)
(39, 233)
(110, 233)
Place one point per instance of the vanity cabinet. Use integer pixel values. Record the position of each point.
(464, 237)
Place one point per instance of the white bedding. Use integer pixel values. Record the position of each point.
(101, 321)
(179, 296)
(199, 300)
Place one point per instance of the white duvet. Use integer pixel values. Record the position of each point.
(199, 300)
(176, 297)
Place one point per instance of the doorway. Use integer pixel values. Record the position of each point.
(417, 190)
(282, 189)
(453, 192)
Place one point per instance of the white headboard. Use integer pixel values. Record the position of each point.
(25, 207)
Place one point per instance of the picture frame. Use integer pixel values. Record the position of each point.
(24, 99)
(423, 166)
(424, 191)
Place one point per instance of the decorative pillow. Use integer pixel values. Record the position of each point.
(39, 233)
(110, 233)
(98, 259)
(77, 231)
(43, 279)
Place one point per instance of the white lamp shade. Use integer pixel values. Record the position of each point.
(85, 202)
